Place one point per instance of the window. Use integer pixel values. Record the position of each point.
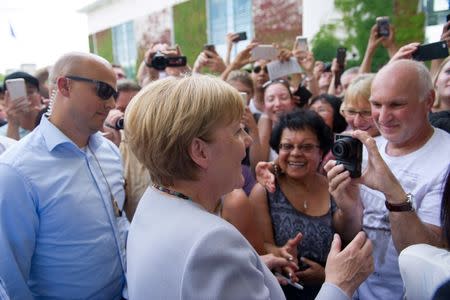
(436, 11)
(229, 16)
(124, 47)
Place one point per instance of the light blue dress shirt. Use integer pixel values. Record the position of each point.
(59, 237)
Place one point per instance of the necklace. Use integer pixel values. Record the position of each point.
(171, 192)
(305, 204)
(117, 210)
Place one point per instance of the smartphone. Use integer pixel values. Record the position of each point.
(244, 97)
(209, 47)
(301, 43)
(242, 36)
(16, 88)
(268, 52)
(383, 26)
(298, 286)
(431, 51)
(340, 57)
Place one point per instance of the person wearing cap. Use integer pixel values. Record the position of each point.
(21, 118)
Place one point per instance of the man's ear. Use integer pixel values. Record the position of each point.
(198, 151)
(63, 86)
(429, 100)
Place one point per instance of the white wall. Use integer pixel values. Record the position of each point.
(317, 13)
(115, 12)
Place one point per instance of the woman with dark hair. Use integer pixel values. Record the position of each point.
(328, 107)
(300, 202)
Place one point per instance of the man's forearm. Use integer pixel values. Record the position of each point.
(407, 229)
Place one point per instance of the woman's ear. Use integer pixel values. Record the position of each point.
(199, 152)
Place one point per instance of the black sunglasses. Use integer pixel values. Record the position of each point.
(104, 90)
(258, 69)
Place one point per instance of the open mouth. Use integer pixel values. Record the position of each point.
(296, 164)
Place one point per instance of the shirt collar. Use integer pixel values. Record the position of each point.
(54, 137)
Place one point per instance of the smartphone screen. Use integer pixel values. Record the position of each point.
(16, 88)
(244, 97)
(431, 51)
(301, 43)
(383, 26)
(264, 52)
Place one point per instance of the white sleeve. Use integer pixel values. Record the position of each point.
(222, 265)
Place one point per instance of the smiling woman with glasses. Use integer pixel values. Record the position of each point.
(300, 202)
(356, 106)
(103, 89)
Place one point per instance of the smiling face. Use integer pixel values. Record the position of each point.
(277, 100)
(397, 108)
(443, 84)
(304, 158)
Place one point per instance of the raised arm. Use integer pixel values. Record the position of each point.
(406, 227)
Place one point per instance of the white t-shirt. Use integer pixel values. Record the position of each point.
(5, 142)
(424, 269)
(253, 108)
(420, 173)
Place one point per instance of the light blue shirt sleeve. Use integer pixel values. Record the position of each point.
(331, 292)
(18, 226)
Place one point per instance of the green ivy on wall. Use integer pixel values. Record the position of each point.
(189, 25)
(104, 44)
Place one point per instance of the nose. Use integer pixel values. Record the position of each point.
(358, 120)
(383, 115)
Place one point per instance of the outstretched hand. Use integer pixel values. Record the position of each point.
(348, 268)
(264, 176)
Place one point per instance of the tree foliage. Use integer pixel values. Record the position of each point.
(358, 16)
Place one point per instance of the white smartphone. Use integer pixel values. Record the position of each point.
(244, 97)
(268, 52)
(301, 43)
(16, 88)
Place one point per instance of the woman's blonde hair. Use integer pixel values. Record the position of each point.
(437, 101)
(358, 92)
(164, 117)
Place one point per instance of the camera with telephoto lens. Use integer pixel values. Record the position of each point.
(160, 61)
(348, 152)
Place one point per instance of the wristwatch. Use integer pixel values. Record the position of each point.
(407, 205)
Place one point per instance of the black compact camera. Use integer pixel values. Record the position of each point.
(119, 124)
(348, 152)
(160, 62)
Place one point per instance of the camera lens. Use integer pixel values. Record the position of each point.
(159, 61)
(119, 124)
(341, 149)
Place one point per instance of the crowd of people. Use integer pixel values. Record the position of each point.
(184, 185)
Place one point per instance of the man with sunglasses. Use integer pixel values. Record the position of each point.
(260, 76)
(62, 230)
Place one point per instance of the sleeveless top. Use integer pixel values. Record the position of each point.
(287, 221)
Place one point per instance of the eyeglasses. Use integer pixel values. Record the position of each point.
(282, 81)
(258, 69)
(304, 148)
(104, 90)
(362, 113)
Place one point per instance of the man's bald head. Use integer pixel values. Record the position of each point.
(406, 71)
(74, 63)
